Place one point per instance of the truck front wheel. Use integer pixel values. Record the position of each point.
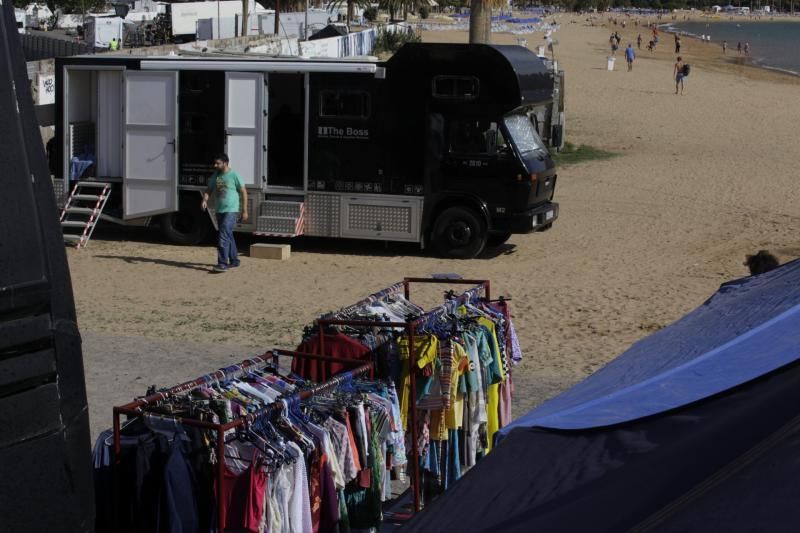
(459, 233)
(188, 226)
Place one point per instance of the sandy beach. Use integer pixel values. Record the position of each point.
(699, 181)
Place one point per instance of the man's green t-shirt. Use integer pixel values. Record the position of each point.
(226, 186)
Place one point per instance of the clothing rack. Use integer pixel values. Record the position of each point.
(138, 408)
(411, 327)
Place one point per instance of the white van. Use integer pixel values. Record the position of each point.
(19, 14)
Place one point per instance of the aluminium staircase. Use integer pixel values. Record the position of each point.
(280, 218)
(82, 211)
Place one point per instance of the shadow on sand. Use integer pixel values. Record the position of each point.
(311, 245)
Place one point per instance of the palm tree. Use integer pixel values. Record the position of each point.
(336, 4)
(403, 6)
(480, 20)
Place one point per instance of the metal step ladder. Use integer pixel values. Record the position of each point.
(280, 218)
(82, 210)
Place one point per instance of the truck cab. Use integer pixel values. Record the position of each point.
(482, 163)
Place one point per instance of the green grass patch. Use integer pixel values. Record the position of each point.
(571, 154)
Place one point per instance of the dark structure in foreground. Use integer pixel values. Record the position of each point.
(46, 480)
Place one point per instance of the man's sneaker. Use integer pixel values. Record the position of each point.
(220, 268)
(234, 265)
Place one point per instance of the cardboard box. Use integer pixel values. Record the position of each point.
(280, 252)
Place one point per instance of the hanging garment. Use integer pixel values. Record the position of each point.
(336, 345)
(243, 497)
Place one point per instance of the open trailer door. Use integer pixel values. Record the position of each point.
(245, 113)
(150, 172)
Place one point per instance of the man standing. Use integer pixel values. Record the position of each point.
(679, 74)
(630, 55)
(231, 202)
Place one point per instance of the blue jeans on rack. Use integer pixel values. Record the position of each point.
(226, 246)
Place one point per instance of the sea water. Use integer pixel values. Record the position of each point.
(773, 44)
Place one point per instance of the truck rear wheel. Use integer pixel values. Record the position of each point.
(189, 225)
(459, 233)
(496, 239)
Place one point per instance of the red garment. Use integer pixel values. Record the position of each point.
(338, 345)
(243, 498)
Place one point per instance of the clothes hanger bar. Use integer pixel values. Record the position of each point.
(390, 290)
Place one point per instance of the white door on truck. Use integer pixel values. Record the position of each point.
(150, 170)
(245, 116)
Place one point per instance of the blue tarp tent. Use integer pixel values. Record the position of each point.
(695, 428)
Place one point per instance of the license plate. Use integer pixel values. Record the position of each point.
(549, 215)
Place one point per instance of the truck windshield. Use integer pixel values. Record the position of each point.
(523, 133)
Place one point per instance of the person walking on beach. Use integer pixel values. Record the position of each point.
(724, 47)
(677, 44)
(679, 75)
(614, 44)
(630, 55)
(747, 49)
(230, 195)
(639, 42)
(739, 47)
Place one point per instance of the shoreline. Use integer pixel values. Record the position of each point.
(707, 55)
(733, 59)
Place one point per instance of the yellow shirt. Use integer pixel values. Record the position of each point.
(425, 348)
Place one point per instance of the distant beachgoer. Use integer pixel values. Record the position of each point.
(678, 74)
(639, 42)
(739, 47)
(761, 262)
(747, 49)
(724, 46)
(630, 55)
(677, 44)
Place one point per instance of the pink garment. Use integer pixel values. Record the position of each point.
(504, 409)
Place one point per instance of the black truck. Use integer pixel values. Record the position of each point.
(443, 144)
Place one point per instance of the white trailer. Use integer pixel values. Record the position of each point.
(19, 14)
(185, 15)
(101, 30)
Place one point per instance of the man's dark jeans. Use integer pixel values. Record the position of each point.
(226, 247)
